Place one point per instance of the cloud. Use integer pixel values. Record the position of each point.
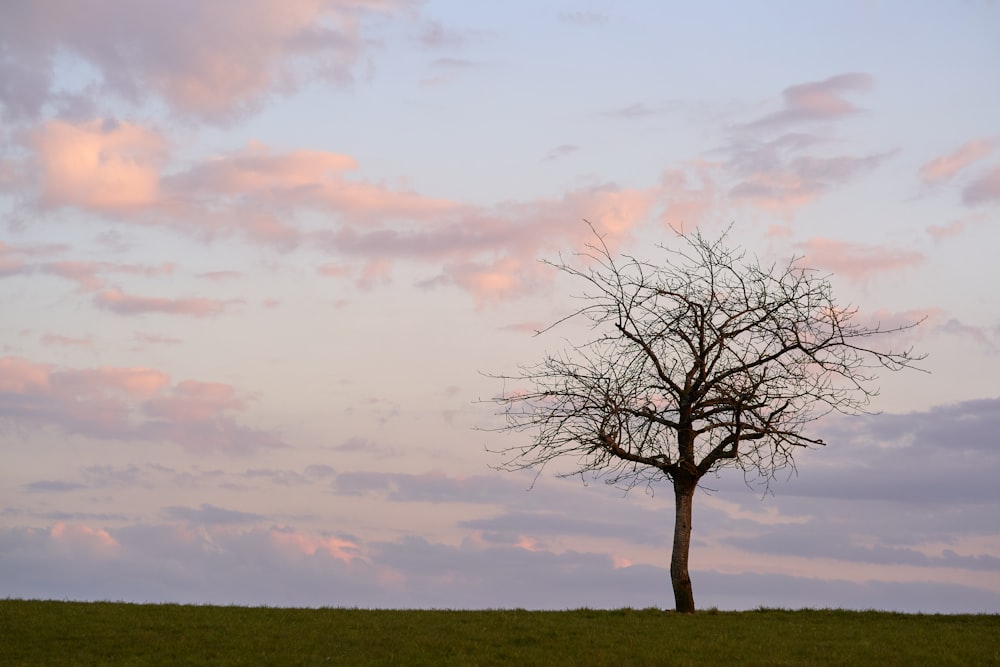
(452, 63)
(11, 264)
(984, 190)
(856, 261)
(890, 515)
(945, 167)
(83, 537)
(127, 404)
(220, 276)
(817, 101)
(512, 526)
(778, 177)
(806, 540)
(366, 445)
(86, 274)
(66, 341)
(102, 165)
(435, 35)
(492, 252)
(940, 457)
(688, 201)
(211, 515)
(156, 339)
(257, 191)
(284, 566)
(268, 197)
(561, 150)
(633, 111)
(52, 486)
(432, 487)
(210, 61)
(310, 545)
(120, 303)
(288, 567)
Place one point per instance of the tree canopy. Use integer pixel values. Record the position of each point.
(704, 360)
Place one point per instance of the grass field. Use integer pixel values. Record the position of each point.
(76, 633)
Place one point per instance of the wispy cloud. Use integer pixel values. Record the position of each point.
(634, 111)
(787, 184)
(87, 274)
(985, 189)
(121, 303)
(436, 35)
(137, 404)
(211, 515)
(817, 101)
(945, 167)
(211, 61)
(856, 261)
(562, 150)
(66, 341)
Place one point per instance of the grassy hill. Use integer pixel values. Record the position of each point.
(76, 633)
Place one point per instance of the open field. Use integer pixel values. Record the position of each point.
(76, 633)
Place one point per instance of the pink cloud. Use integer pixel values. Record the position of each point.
(525, 327)
(619, 562)
(14, 259)
(220, 276)
(264, 194)
(261, 193)
(140, 382)
(256, 191)
(955, 227)
(194, 401)
(257, 170)
(856, 261)
(688, 204)
(302, 178)
(527, 543)
(156, 339)
(375, 272)
(984, 190)
(941, 232)
(211, 60)
(127, 404)
(20, 376)
(126, 304)
(784, 187)
(817, 100)
(85, 274)
(502, 278)
(306, 544)
(67, 341)
(334, 270)
(946, 166)
(493, 252)
(10, 263)
(102, 165)
(85, 537)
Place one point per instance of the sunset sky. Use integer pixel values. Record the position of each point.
(259, 258)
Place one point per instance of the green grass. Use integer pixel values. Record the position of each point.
(76, 633)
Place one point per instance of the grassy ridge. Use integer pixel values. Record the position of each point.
(75, 633)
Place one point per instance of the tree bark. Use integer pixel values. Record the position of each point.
(679, 577)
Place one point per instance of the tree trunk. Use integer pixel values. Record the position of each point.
(679, 577)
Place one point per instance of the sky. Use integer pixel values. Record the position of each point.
(261, 259)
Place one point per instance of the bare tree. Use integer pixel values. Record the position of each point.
(708, 360)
